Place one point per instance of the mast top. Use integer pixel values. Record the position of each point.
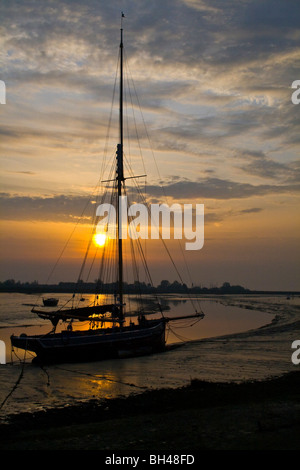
(121, 43)
(122, 16)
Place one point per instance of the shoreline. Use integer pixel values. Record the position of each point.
(260, 414)
(204, 415)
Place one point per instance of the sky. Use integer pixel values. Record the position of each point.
(218, 127)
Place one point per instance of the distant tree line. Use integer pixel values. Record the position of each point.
(165, 287)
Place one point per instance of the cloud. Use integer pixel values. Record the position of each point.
(24, 172)
(212, 77)
(252, 210)
(260, 164)
(59, 208)
(72, 37)
(71, 208)
(215, 188)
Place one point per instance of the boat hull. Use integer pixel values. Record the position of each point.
(50, 302)
(94, 345)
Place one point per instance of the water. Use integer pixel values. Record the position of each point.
(227, 345)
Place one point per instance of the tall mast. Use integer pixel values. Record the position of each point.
(120, 179)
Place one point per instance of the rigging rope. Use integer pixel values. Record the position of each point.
(17, 382)
(157, 169)
(106, 272)
(100, 377)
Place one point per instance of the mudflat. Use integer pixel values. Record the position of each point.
(258, 415)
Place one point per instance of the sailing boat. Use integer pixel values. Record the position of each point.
(109, 334)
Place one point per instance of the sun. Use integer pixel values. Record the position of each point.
(99, 239)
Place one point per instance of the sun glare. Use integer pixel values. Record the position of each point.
(99, 239)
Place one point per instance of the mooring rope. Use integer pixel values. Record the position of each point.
(100, 377)
(17, 382)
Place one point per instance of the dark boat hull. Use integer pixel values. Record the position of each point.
(92, 345)
(50, 302)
